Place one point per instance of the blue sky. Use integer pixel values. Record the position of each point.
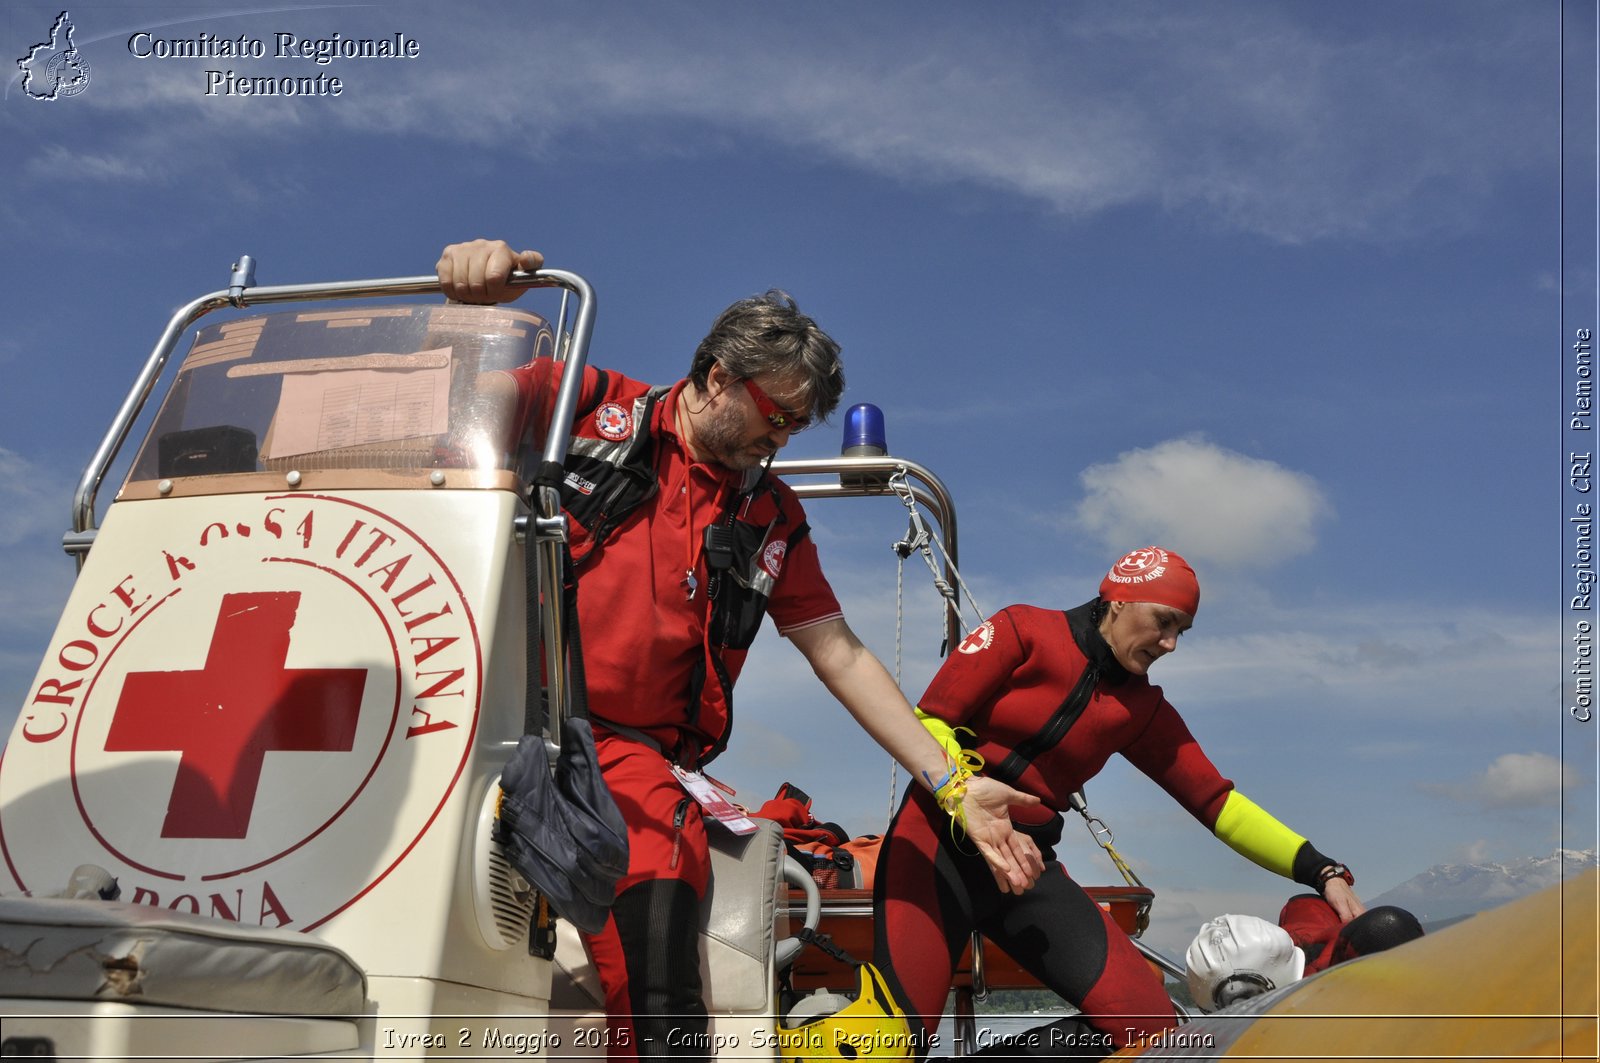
(1278, 285)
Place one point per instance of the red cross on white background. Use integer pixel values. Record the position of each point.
(226, 717)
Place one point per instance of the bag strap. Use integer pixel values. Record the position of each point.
(577, 679)
(536, 706)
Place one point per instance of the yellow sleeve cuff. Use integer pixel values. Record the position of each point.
(1252, 832)
(943, 733)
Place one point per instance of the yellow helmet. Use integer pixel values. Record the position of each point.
(870, 1026)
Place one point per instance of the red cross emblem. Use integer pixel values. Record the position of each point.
(228, 716)
(980, 638)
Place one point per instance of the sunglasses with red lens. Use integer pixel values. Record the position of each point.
(776, 415)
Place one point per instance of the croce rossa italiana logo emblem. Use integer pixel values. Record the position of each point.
(255, 717)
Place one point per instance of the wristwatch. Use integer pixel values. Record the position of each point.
(1334, 871)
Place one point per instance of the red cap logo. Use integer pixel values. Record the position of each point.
(1152, 574)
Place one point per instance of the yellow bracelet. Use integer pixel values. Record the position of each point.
(953, 792)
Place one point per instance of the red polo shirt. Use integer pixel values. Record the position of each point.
(643, 632)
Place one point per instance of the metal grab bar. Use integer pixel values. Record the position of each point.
(859, 477)
(240, 294)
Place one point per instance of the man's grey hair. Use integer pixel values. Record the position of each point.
(768, 333)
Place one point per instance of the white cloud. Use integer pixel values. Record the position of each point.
(31, 501)
(1279, 128)
(1432, 665)
(1523, 779)
(111, 168)
(1254, 118)
(1515, 780)
(1205, 501)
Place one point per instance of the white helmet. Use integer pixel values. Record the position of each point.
(1239, 956)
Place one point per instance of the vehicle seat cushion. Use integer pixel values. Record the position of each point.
(136, 954)
(737, 928)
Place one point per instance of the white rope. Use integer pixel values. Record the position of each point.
(899, 617)
(919, 539)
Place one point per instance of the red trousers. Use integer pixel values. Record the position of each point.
(648, 955)
(932, 892)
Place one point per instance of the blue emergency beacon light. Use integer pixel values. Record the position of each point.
(864, 437)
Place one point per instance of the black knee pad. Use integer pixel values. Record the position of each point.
(658, 923)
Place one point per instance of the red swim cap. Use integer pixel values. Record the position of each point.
(1152, 575)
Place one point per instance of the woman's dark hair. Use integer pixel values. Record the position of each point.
(1098, 610)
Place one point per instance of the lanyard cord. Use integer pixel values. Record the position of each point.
(693, 546)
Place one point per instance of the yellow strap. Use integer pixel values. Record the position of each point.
(1253, 833)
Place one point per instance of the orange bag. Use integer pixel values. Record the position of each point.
(835, 860)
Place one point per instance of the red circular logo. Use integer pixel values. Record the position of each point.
(613, 421)
(772, 557)
(980, 639)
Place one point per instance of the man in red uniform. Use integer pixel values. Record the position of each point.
(682, 543)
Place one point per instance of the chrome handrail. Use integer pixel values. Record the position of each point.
(859, 477)
(241, 294)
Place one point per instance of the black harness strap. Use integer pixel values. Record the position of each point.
(1054, 730)
(1067, 713)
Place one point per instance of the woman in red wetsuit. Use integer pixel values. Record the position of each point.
(1044, 698)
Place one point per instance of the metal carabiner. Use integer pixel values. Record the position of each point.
(1099, 831)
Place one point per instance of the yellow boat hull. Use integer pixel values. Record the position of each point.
(1517, 982)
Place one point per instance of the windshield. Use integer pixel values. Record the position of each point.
(390, 388)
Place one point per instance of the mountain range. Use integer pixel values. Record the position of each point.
(1447, 892)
